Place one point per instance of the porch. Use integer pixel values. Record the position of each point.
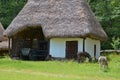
(30, 44)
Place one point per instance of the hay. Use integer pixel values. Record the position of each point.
(58, 18)
(4, 45)
(2, 38)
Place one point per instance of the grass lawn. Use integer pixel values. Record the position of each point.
(58, 70)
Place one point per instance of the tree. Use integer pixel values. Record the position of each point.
(108, 13)
(9, 9)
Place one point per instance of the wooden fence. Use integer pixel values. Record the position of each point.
(109, 52)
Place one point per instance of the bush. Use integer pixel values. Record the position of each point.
(115, 43)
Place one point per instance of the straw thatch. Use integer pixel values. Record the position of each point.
(2, 38)
(58, 18)
(4, 45)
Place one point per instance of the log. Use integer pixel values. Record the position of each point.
(109, 51)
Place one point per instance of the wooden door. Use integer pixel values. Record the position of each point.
(71, 49)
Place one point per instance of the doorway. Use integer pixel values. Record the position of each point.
(95, 51)
(71, 49)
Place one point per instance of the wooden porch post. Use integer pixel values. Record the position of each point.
(9, 46)
(48, 46)
(83, 44)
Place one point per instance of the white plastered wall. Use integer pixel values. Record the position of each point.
(89, 47)
(58, 46)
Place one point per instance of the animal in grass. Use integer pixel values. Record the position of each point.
(82, 56)
(49, 57)
(103, 63)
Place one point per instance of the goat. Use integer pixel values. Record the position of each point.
(103, 63)
(81, 56)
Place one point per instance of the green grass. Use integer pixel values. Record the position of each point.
(58, 70)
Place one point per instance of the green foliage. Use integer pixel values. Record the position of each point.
(9, 9)
(108, 13)
(115, 43)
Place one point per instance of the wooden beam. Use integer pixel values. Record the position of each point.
(9, 46)
(48, 46)
(84, 44)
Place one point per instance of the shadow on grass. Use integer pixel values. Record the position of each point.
(105, 70)
(2, 57)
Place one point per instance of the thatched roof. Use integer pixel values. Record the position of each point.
(2, 38)
(58, 18)
(4, 45)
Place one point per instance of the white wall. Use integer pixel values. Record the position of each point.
(58, 46)
(89, 47)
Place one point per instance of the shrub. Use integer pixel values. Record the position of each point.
(115, 43)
